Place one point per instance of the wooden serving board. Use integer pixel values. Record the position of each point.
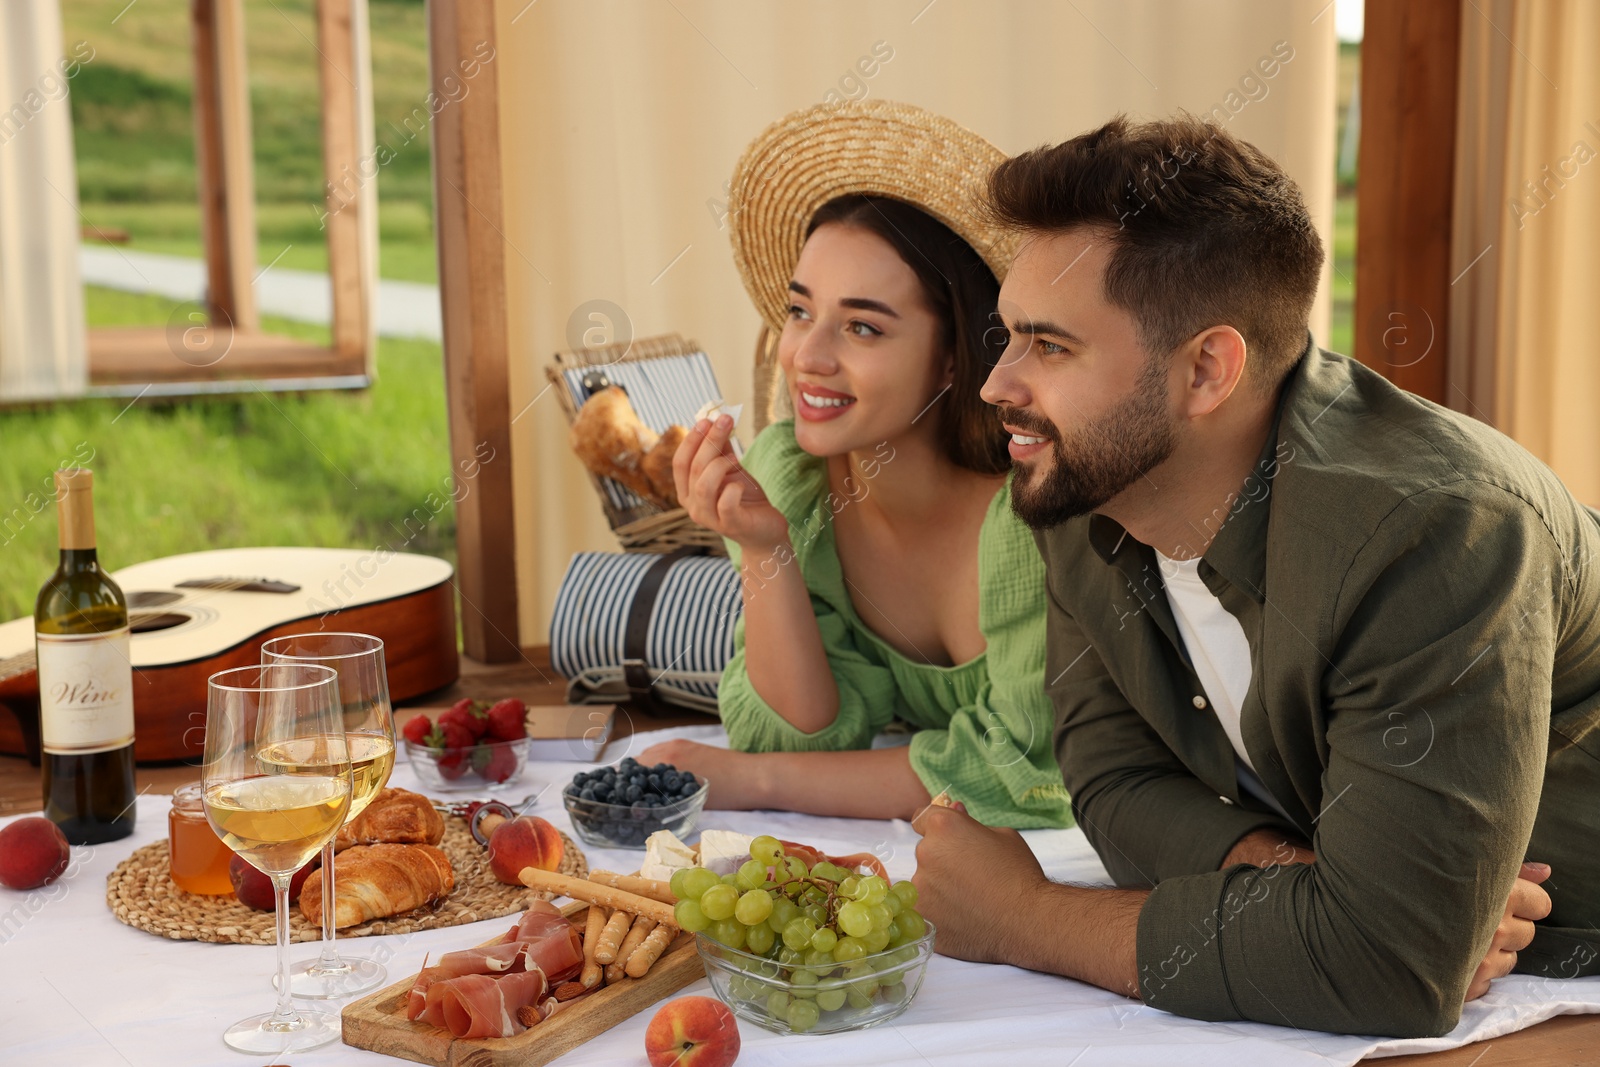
(378, 1021)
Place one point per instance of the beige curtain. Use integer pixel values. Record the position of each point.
(621, 121)
(41, 299)
(1526, 235)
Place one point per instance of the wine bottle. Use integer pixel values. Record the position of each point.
(85, 681)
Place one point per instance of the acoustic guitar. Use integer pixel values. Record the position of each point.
(196, 614)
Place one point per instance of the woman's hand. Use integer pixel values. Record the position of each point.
(721, 495)
(1527, 904)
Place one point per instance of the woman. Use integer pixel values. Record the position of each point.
(884, 574)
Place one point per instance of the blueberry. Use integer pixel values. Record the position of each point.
(653, 780)
(633, 793)
(587, 793)
(687, 789)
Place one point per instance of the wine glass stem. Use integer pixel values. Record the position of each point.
(285, 1016)
(330, 953)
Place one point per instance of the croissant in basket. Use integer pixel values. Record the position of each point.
(395, 815)
(612, 442)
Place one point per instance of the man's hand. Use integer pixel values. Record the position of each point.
(1527, 904)
(977, 886)
(1263, 848)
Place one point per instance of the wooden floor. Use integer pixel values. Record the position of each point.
(1568, 1041)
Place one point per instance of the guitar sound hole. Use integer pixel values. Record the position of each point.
(152, 598)
(156, 620)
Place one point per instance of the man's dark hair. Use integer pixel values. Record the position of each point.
(961, 291)
(1206, 230)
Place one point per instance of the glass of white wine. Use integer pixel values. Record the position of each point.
(274, 811)
(369, 729)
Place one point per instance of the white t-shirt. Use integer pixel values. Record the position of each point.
(1220, 654)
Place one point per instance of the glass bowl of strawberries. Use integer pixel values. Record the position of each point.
(474, 745)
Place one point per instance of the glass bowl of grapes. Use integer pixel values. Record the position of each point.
(621, 806)
(800, 949)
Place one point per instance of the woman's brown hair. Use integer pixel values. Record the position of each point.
(962, 292)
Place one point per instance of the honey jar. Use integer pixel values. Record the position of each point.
(199, 860)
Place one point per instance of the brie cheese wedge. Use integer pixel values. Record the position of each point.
(724, 851)
(664, 854)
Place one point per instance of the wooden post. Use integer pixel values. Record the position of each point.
(226, 173)
(350, 169)
(1409, 60)
(472, 288)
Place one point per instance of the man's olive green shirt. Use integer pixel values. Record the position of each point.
(1423, 613)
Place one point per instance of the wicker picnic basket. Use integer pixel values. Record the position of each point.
(639, 525)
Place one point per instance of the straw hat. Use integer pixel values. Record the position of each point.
(875, 147)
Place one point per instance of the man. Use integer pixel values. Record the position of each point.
(1325, 657)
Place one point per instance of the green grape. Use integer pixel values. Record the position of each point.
(829, 871)
(766, 849)
(871, 889)
(784, 912)
(856, 1000)
(897, 936)
(754, 907)
(892, 904)
(831, 999)
(877, 940)
(750, 875)
(847, 888)
(729, 932)
(803, 1015)
(906, 892)
(797, 935)
(849, 949)
(880, 916)
(790, 957)
(912, 924)
(760, 939)
(894, 991)
(820, 960)
(729, 879)
(817, 913)
(814, 895)
(689, 916)
(719, 901)
(854, 918)
(695, 880)
(778, 1004)
(797, 867)
(824, 940)
(803, 984)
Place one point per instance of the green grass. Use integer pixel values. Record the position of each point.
(334, 469)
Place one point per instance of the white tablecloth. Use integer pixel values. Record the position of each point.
(79, 988)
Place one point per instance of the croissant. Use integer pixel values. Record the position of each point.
(395, 815)
(376, 881)
(657, 466)
(611, 441)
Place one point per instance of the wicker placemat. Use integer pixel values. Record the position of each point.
(141, 893)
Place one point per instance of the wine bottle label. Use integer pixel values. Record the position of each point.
(85, 692)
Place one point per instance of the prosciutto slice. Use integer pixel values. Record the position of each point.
(852, 862)
(543, 943)
(476, 1005)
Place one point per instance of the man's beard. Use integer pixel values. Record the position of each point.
(1100, 461)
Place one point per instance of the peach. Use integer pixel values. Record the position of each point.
(692, 1032)
(526, 841)
(254, 889)
(33, 852)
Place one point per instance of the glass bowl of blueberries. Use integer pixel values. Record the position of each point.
(621, 806)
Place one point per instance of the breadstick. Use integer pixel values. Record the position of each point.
(615, 973)
(642, 925)
(605, 949)
(632, 883)
(593, 893)
(591, 940)
(650, 950)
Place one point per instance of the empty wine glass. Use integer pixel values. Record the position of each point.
(369, 728)
(276, 787)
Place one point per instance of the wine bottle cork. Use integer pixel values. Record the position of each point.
(75, 507)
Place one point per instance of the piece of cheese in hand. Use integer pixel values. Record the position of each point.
(663, 854)
(724, 851)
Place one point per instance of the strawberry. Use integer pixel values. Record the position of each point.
(417, 729)
(508, 720)
(453, 765)
(502, 763)
(478, 719)
(456, 736)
